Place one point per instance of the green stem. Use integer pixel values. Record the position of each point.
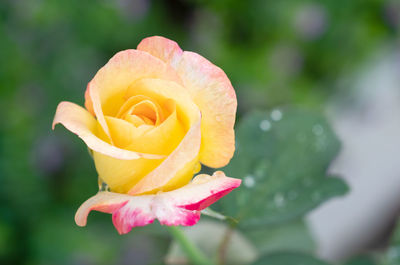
(192, 252)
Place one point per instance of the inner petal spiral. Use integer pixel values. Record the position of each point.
(140, 110)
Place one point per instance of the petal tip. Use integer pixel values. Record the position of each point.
(163, 48)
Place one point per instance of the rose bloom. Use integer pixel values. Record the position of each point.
(153, 116)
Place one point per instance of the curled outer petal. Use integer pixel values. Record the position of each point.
(82, 123)
(210, 89)
(178, 207)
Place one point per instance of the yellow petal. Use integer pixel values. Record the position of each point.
(121, 131)
(162, 139)
(121, 175)
(142, 105)
(81, 122)
(135, 120)
(166, 92)
(124, 68)
(105, 92)
(178, 167)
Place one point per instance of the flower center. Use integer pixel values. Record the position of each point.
(141, 110)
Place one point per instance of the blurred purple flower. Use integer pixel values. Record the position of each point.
(311, 21)
(392, 13)
(48, 155)
(139, 250)
(134, 9)
(286, 59)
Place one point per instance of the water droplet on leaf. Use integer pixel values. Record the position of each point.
(265, 125)
(279, 200)
(318, 130)
(276, 115)
(249, 181)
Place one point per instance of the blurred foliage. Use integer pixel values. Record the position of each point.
(275, 53)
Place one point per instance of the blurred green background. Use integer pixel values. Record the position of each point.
(276, 53)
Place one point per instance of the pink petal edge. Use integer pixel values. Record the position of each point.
(161, 47)
(177, 207)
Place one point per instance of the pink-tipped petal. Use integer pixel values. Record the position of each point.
(178, 207)
(82, 123)
(204, 190)
(136, 212)
(163, 48)
(210, 89)
(106, 202)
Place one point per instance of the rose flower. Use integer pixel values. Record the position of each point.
(153, 116)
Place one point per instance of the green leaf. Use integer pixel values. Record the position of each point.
(288, 258)
(282, 157)
(293, 236)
